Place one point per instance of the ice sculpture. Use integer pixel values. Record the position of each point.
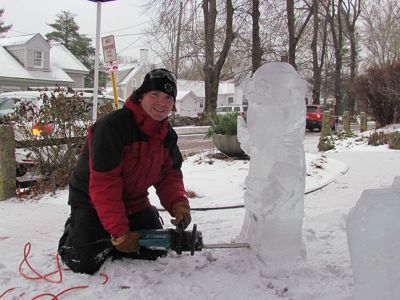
(273, 137)
(373, 229)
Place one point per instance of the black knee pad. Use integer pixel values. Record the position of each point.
(83, 260)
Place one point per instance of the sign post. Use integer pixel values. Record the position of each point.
(96, 58)
(110, 60)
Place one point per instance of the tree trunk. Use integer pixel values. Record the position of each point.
(337, 38)
(353, 66)
(351, 12)
(318, 62)
(212, 69)
(178, 39)
(314, 48)
(293, 38)
(291, 30)
(257, 50)
(7, 162)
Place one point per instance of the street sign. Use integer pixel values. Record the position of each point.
(111, 67)
(109, 51)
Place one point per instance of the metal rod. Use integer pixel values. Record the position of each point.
(221, 246)
(96, 62)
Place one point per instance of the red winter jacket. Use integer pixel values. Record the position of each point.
(129, 152)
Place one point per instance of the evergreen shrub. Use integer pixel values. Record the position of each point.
(223, 124)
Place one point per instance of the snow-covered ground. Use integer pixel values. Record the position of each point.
(324, 274)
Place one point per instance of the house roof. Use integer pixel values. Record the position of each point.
(16, 40)
(61, 59)
(64, 59)
(192, 85)
(11, 68)
(181, 94)
(134, 67)
(197, 87)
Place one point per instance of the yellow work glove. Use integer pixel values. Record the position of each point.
(127, 243)
(181, 212)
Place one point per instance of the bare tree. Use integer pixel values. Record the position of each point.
(173, 35)
(378, 88)
(291, 25)
(381, 31)
(272, 37)
(351, 12)
(318, 52)
(212, 68)
(257, 51)
(178, 38)
(335, 20)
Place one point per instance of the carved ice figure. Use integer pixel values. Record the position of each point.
(373, 229)
(273, 137)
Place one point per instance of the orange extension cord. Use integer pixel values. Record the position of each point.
(45, 277)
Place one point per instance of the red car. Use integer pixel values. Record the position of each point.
(314, 117)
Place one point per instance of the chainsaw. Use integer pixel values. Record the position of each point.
(179, 240)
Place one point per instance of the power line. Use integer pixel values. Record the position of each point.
(128, 34)
(119, 52)
(19, 31)
(120, 29)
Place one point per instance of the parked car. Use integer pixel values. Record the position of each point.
(314, 117)
(241, 109)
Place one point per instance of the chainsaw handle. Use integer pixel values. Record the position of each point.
(193, 240)
(179, 238)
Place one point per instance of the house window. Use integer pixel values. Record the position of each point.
(38, 59)
(230, 100)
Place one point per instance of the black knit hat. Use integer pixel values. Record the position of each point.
(158, 79)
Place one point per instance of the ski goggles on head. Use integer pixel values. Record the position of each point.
(162, 73)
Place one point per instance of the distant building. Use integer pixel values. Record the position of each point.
(130, 76)
(226, 91)
(32, 61)
(191, 93)
(188, 104)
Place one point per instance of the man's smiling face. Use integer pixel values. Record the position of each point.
(157, 104)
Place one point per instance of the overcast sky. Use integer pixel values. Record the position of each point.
(125, 19)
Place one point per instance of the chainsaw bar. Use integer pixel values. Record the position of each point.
(223, 246)
(180, 240)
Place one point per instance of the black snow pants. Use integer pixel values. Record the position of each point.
(85, 244)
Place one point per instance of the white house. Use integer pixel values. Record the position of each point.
(226, 91)
(188, 104)
(31, 61)
(226, 94)
(130, 76)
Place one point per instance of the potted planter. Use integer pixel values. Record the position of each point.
(223, 130)
(228, 144)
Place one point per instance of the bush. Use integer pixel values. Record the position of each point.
(61, 125)
(378, 138)
(379, 90)
(178, 120)
(382, 138)
(394, 141)
(223, 124)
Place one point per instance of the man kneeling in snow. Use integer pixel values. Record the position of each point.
(126, 152)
